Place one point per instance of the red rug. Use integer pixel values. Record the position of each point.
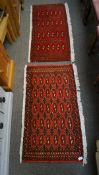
(52, 130)
(50, 35)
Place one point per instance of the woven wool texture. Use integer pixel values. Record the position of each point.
(50, 35)
(52, 130)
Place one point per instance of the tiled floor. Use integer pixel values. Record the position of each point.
(87, 69)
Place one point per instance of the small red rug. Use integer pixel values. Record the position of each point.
(50, 35)
(52, 130)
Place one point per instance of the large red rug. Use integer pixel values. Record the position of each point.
(52, 130)
(49, 33)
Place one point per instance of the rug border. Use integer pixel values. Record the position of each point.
(81, 115)
(23, 114)
(72, 53)
(30, 34)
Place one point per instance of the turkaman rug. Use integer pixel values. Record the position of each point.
(51, 121)
(49, 33)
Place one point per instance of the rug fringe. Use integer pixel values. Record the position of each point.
(23, 114)
(82, 121)
(30, 35)
(70, 33)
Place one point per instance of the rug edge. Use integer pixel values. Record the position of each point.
(23, 114)
(70, 32)
(30, 34)
(82, 119)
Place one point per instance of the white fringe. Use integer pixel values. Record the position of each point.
(23, 114)
(70, 33)
(82, 122)
(30, 37)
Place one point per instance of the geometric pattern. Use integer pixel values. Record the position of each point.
(50, 35)
(52, 130)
